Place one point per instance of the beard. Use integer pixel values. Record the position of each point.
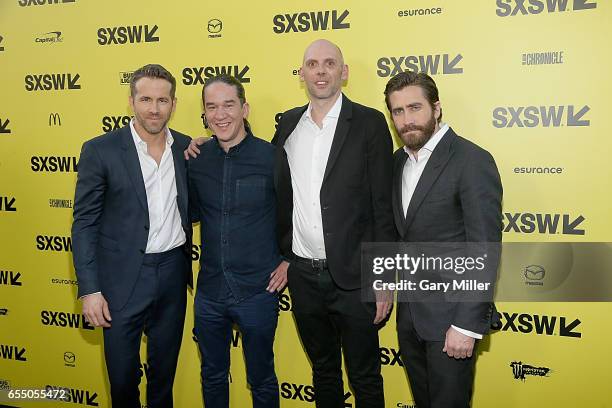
(153, 128)
(415, 137)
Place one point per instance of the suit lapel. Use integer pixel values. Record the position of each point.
(342, 129)
(180, 176)
(436, 163)
(398, 211)
(132, 164)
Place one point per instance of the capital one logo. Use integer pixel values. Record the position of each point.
(540, 116)
(199, 75)
(310, 21)
(435, 64)
(528, 223)
(127, 34)
(510, 8)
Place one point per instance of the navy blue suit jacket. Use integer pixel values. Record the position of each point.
(111, 216)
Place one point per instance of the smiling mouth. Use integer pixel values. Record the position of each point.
(321, 83)
(223, 125)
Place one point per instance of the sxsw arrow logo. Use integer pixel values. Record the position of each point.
(544, 116)
(12, 352)
(310, 21)
(347, 395)
(10, 278)
(1, 47)
(7, 204)
(51, 82)
(436, 64)
(4, 126)
(506, 8)
(528, 223)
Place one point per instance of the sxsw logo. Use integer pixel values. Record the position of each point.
(544, 116)
(509, 8)
(528, 223)
(196, 251)
(4, 126)
(303, 392)
(284, 302)
(53, 164)
(540, 324)
(390, 356)
(50, 37)
(73, 395)
(53, 243)
(435, 64)
(51, 82)
(114, 122)
(64, 319)
(1, 39)
(310, 21)
(12, 352)
(10, 278)
(127, 34)
(25, 3)
(55, 119)
(198, 75)
(7, 204)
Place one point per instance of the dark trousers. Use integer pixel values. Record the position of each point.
(436, 380)
(256, 317)
(331, 320)
(157, 308)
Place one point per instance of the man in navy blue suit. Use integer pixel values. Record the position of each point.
(131, 239)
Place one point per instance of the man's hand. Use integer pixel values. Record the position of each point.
(384, 304)
(278, 278)
(192, 150)
(95, 309)
(458, 345)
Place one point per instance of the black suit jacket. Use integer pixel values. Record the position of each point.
(111, 216)
(356, 191)
(457, 199)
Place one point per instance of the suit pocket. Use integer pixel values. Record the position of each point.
(108, 243)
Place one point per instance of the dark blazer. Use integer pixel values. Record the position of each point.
(356, 191)
(111, 216)
(457, 199)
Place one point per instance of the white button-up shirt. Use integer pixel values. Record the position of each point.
(307, 150)
(165, 228)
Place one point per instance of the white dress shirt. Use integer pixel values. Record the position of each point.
(413, 169)
(165, 228)
(307, 150)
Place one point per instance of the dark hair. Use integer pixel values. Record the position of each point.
(420, 79)
(231, 81)
(152, 71)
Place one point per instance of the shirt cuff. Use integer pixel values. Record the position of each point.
(467, 332)
(89, 294)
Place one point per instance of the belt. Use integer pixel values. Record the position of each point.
(318, 264)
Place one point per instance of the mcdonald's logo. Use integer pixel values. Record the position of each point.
(54, 119)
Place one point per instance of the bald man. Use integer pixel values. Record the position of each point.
(333, 183)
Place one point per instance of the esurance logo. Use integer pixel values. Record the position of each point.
(199, 75)
(52, 82)
(520, 370)
(53, 243)
(64, 319)
(310, 21)
(435, 64)
(540, 324)
(528, 223)
(511, 8)
(127, 34)
(50, 37)
(26, 3)
(53, 164)
(542, 116)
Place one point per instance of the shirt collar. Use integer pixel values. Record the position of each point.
(334, 112)
(141, 143)
(433, 141)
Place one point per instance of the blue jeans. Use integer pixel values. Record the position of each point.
(256, 317)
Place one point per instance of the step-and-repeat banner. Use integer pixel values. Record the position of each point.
(529, 80)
